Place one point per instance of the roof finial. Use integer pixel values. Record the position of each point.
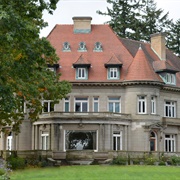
(140, 47)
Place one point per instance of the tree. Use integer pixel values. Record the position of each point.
(124, 16)
(153, 20)
(23, 61)
(136, 19)
(173, 38)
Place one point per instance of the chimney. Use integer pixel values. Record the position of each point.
(158, 45)
(82, 24)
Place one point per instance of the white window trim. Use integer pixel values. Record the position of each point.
(116, 136)
(172, 139)
(49, 105)
(81, 70)
(45, 135)
(113, 69)
(141, 101)
(114, 101)
(96, 101)
(68, 101)
(170, 107)
(153, 104)
(81, 101)
(9, 142)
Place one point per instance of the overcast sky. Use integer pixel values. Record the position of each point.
(66, 9)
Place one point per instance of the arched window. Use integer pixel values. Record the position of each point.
(98, 47)
(82, 46)
(66, 46)
(153, 141)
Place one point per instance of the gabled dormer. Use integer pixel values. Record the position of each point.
(81, 68)
(113, 68)
(53, 67)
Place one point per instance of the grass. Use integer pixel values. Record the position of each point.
(95, 172)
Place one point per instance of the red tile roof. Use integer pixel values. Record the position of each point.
(140, 69)
(124, 52)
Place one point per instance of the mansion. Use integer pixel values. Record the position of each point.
(125, 95)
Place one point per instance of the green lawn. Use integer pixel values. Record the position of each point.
(95, 172)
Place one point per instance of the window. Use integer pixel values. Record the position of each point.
(9, 142)
(66, 46)
(168, 78)
(45, 140)
(81, 73)
(153, 105)
(81, 140)
(81, 104)
(113, 73)
(98, 47)
(141, 105)
(170, 109)
(117, 141)
(66, 105)
(48, 106)
(170, 143)
(114, 104)
(96, 104)
(82, 46)
(153, 141)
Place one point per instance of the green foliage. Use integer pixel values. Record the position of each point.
(16, 162)
(2, 171)
(173, 38)
(150, 160)
(24, 58)
(120, 160)
(136, 19)
(175, 160)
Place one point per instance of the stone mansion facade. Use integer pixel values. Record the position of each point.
(125, 95)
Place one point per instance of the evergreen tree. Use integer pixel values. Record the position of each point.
(23, 61)
(124, 16)
(153, 20)
(136, 19)
(173, 38)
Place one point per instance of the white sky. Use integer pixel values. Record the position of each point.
(66, 9)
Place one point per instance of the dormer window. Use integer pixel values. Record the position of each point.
(82, 46)
(113, 73)
(98, 47)
(53, 67)
(81, 73)
(169, 78)
(66, 46)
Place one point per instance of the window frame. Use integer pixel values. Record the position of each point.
(95, 101)
(142, 104)
(80, 71)
(114, 101)
(153, 104)
(48, 106)
(82, 101)
(112, 71)
(45, 141)
(67, 101)
(117, 136)
(170, 109)
(170, 143)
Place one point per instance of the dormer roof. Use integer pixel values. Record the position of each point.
(113, 62)
(81, 62)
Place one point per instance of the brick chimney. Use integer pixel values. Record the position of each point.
(158, 45)
(82, 24)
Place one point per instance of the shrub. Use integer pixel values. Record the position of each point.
(150, 160)
(2, 171)
(16, 162)
(162, 163)
(120, 160)
(175, 160)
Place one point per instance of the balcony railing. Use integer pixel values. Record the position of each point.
(84, 114)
